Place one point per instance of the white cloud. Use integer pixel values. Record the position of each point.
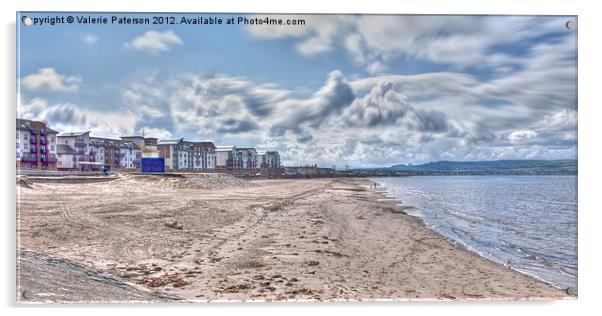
(49, 79)
(221, 105)
(150, 111)
(154, 132)
(520, 136)
(71, 117)
(90, 39)
(154, 42)
(372, 41)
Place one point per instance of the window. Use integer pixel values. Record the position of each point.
(25, 136)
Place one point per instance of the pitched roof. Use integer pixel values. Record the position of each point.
(23, 124)
(207, 143)
(128, 145)
(97, 138)
(71, 134)
(169, 141)
(65, 149)
(224, 148)
(26, 124)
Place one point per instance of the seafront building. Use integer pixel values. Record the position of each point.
(39, 147)
(227, 158)
(67, 157)
(130, 155)
(248, 158)
(36, 145)
(106, 152)
(203, 155)
(271, 160)
(80, 142)
(168, 149)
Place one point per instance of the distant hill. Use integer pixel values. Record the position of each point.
(567, 166)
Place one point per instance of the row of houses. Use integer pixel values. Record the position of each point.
(40, 147)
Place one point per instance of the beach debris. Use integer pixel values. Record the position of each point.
(313, 263)
(302, 291)
(174, 225)
(236, 288)
(24, 182)
(154, 282)
(177, 280)
(180, 283)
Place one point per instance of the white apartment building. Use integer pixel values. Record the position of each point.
(130, 155)
(67, 157)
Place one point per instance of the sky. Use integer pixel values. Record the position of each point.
(357, 90)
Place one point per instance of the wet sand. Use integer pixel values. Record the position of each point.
(269, 240)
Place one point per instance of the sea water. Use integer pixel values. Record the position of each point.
(528, 223)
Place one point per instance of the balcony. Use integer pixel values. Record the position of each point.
(29, 159)
(32, 140)
(42, 132)
(42, 141)
(80, 143)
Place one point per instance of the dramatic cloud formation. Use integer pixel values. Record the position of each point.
(330, 100)
(154, 42)
(49, 79)
(371, 41)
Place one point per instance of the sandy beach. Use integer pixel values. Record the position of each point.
(211, 237)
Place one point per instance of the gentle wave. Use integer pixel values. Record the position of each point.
(528, 223)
